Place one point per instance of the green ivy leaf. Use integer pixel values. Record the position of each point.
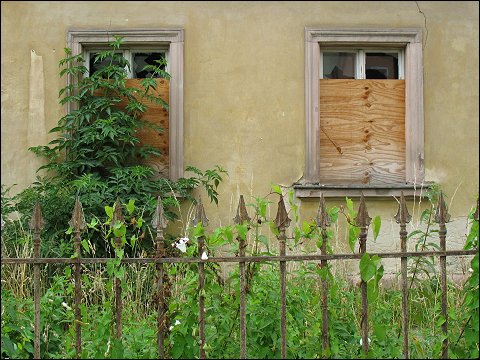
(367, 268)
(377, 222)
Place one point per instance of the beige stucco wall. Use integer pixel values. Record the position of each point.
(244, 85)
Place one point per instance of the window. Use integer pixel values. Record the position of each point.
(345, 63)
(142, 47)
(364, 112)
(138, 58)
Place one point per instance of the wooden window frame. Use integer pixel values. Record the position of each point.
(172, 39)
(408, 39)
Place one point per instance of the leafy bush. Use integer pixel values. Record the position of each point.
(97, 153)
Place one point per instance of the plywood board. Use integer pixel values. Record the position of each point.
(362, 131)
(157, 115)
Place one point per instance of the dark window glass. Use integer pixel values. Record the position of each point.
(100, 64)
(339, 65)
(141, 59)
(381, 65)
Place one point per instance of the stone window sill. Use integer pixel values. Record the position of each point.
(314, 190)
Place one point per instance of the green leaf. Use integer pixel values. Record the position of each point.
(119, 231)
(109, 212)
(352, 236)
(85, 245)
(110, 268)
(117, 349)
(119, 272)
(277, 189)
(367, 268)
(441, 320)
(372, 291)
(68, 271)
(305, 227)
(130, 206)
(199, 230)
(349, 204)
(380, 331)
(377, 222)
(7, 345)
(242, 231)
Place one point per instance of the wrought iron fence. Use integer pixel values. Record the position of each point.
(282, 223)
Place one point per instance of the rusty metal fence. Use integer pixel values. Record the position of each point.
(282, 223)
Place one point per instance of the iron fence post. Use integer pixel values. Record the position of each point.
(78, 224)
(159, 222)
(363, 221)
(323, 221)
(442, 217)
(200, 217)
(36, 224)
(403, 217)
(118, 217)
(241, 218)
(282, 222)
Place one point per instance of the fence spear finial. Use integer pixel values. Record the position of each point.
(200, 216)
(282, 220)
(117, 213)
(441, 215)
(37, 223)
(322, 219)
(78, 219)
(242, 214)
(362, 219)
(159, 219)
(402, 217)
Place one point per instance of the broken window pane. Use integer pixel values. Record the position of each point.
(339, 65)
(141, 59)
(100, 64)
(380, 65)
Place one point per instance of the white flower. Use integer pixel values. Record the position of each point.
(65, 305)
(470, 270)
(181, 244)
(176, 323)
(361, 342)
(204, 256)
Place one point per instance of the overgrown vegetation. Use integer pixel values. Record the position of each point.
(97, 154)
(222, 301)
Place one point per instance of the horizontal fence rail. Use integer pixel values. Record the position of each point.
(236, 259)
(282, 222)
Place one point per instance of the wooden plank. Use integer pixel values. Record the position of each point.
(158, 116)
(362, 131)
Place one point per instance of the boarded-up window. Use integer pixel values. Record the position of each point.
(364, 112)
(362, 132)
(158, 116)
